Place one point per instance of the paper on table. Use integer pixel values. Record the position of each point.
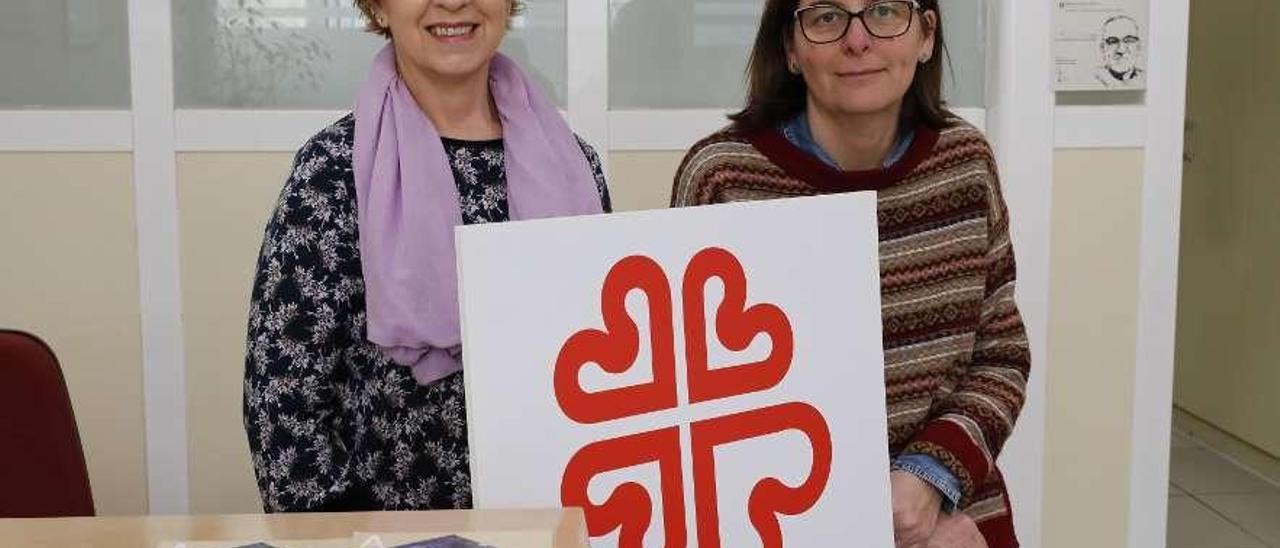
(501, 539)
(451, 541)
(323, 543)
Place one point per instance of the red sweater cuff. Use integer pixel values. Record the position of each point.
(954, 448)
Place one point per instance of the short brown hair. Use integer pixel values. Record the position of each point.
(371, 19)
(775, 94)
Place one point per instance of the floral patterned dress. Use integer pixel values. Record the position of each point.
(333, 424)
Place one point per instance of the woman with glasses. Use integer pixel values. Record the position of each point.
(845, 95)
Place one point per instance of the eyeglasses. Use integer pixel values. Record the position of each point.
(827, 23)
(1114, 41)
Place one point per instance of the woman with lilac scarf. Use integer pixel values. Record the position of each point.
(353, 394)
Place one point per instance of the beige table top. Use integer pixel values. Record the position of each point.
(545, 528)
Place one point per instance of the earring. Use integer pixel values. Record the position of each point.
(924, 58)
(794, 68)
(382, 20)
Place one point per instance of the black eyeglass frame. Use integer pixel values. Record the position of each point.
(915, 7)
(1113, 41)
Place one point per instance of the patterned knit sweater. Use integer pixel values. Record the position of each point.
(956, 353)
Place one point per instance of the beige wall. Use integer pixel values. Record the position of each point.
(1097, 205)
(642, 180)
(1228, 335)
(224, 200)
(70, 275)
(1093, 305)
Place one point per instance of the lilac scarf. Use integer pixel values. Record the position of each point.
(407, 205)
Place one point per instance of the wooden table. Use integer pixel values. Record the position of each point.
(534, 528)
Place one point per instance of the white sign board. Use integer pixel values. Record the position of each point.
(703, 377)
(1101, 45)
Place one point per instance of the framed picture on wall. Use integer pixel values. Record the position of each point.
(1100, 45)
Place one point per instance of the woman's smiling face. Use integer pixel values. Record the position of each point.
(450, 39)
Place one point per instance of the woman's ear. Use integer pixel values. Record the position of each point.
(929, 18)
(379, 14)
(793, 60)
(793, 66)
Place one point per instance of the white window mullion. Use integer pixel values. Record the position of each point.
(66, 131)
(156, 199)
(588, 72)
(1020, 126)
(248, 130)
(662, 130)
(678, 130)
(1169, 29)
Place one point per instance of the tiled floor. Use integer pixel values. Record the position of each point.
(1215, 504)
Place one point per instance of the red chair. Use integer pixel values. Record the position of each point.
(42, 470)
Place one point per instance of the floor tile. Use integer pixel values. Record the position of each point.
(1257, 514)
(1201, 472)
(1192, 525)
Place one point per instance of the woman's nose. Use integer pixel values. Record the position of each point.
(451, 5)
(857, 39)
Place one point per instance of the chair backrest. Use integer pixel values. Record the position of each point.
(42, 470)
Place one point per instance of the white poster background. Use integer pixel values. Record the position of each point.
(1082, 59)
(526, 287)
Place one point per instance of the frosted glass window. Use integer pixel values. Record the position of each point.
(965, 28)
(314, 54)
(70, 54)
(679, 54)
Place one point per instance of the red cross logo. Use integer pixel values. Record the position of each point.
(615, 348)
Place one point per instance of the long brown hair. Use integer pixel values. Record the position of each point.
(775, 94)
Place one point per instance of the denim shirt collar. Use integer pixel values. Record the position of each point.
(798, 133)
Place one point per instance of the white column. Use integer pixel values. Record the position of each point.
(1020, 126)
(588, 72)
(156, 204)
(1158, 283)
